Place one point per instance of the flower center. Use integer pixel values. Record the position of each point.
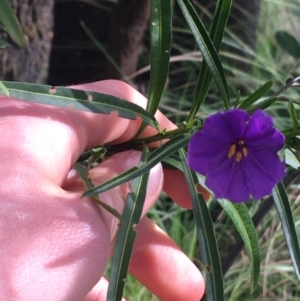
(239, 150)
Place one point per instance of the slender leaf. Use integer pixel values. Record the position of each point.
(173, 161)
(207, 48)
(4, 89)
(11, 23)
(126, 234)
(256, 95)
(216, 34)
(285, 214)
(294, 115)
(161, 36)
(290, 132)
(291, 159)
(262, 105)
(288, 43)
(241, 218)
(206, 236)
(78, 99)
(83, 174)
(155, 157)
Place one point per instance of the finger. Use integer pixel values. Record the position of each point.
(124, 91)
(159, 264)
(53, 138)
(48, 147)
(177, 189)
(116, 197)
(99, 291)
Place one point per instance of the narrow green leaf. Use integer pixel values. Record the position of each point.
(83, 174)
(285, 214)
(11, 23)
(216, 34)
(288, 43)
(201, 181)
(155, 157)
(294, 115)
(78, 99)
(241, 218)
(262, 105)
(260, 92)
(209, 52)
(290, 133)
(291, 159)
(161, 37)
(4, 89)
(206, 236)
(173, 161)
(126, 234)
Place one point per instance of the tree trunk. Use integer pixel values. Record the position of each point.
(31, 63)
(128, 25)
(75, 58)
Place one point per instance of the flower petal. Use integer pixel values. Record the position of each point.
(263, 170)
(226, 126)
(228, 182)
(204, 153)
(261, 133)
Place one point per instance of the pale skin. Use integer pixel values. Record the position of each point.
(55, 245)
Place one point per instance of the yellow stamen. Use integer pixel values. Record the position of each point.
(241, 142)
(245, 151)
(238, 156)
(231, 151)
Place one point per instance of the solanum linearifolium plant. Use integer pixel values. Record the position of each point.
(237, 152)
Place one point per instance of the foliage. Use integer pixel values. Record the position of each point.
(10, 22)
(259, 94)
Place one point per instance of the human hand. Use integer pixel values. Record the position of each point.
(54, 245)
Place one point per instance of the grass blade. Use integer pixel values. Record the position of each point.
(285, 214)
(127, 234)
(206, 236)
(207, 48)
(11, 23)
(77, 99)
(216, 34)
(241, 218)
(99, 45)
(155, 157)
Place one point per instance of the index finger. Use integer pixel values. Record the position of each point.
(125, 91)
(174, 184)
(53, 138)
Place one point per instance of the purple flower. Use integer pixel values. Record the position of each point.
(238, 154)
